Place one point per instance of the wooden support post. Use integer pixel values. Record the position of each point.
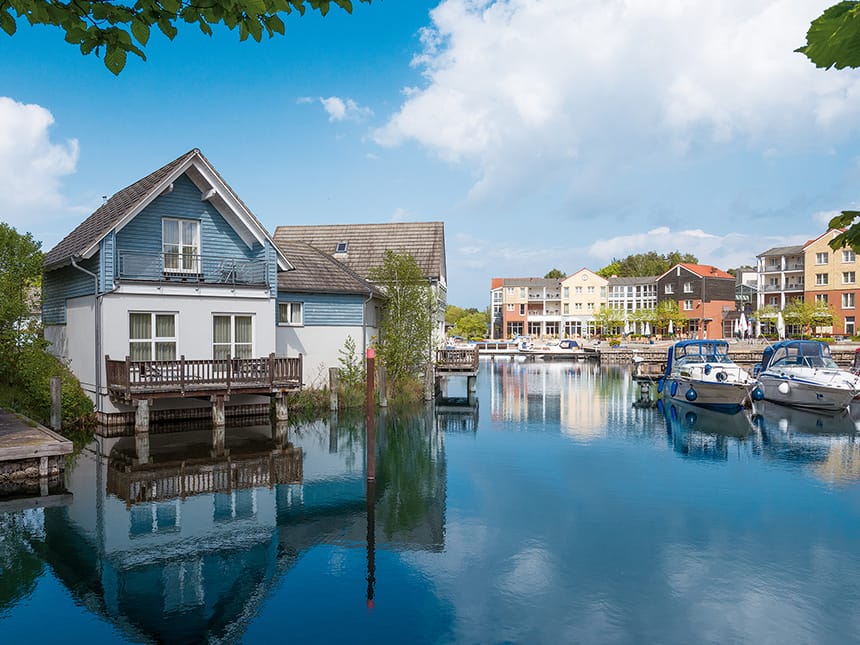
(371, 416)
(43, 467)
(218, 417)
(332, 388)
(56, 403)
(141, 447)
(219, 441)
(141, 416)
(383, 387)
(429, 373)
(282, 408)
(472, 386)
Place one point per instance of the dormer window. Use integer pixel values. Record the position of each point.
(341, 247)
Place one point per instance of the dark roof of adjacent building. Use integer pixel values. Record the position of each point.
(125, 201)
(365, 244)
(530, 282)
(317, 272)
(631, 280)
(796, 249)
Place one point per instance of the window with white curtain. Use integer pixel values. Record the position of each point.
(151, 336)
(233, 336)
(181, 245)
(290, 313)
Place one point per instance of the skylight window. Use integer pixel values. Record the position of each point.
(341, 247)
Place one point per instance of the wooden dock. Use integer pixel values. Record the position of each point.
(29, 450)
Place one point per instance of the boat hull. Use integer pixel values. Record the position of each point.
(724, 396)
(790, 390)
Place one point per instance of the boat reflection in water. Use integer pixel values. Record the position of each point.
(180, 537)
(826, 445)
(704, 433)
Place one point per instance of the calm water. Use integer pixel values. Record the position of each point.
(556, 512)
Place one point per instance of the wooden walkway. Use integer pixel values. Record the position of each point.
(29, 449)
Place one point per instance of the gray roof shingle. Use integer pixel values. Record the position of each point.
(109, 214)
(317, 272)
(367, 243)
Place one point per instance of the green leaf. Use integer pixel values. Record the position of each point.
(8, 24)
(140, 31)
(833, 39)
(115, 59)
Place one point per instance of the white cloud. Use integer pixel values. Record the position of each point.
(531, 90)
(822, 218)
(401, 215)
(31, 165)
(722, 251)
(339, 109)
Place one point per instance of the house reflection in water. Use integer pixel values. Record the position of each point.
(181, 538)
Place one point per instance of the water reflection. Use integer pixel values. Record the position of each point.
(179, 537)
(701, 433)
(825, 445)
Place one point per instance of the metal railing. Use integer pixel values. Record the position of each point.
(173, 267)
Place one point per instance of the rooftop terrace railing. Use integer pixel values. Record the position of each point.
(174, 267)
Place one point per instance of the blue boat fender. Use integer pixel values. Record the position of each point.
(673, 389)
(757, 394)
(707, 368)
(691, 395)
(660, 382)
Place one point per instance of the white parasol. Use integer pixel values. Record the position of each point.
(671, 327)
(780, 326)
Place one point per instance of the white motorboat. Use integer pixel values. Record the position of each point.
(802, 373)
(700, 372)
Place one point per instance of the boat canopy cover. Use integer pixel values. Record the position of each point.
(797, 352)
(697, 351)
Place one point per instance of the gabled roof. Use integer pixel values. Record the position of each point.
(125, 204)
(701, 270)
(832, 232)
(367, 243)
(318, 272)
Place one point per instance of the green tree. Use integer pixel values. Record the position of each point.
(119, 28)
(20, 277)
(667, 311)
(472, 326)
(807, 315)
(645, 264)
(453, 313)
(350, 375)
(609, 320)
(557, 274)
(405, 332)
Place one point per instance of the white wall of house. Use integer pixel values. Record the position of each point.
(74, 342)
(193, 321)
(319, 346)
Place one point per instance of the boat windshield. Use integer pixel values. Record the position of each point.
(714, 352)
(803, 356)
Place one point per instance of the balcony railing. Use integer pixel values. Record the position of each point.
(173, 267)
(129, 380)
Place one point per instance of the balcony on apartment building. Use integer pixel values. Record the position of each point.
(777, 267)
(179, 267)
(791, 286)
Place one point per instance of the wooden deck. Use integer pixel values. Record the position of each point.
(457, 362)
(129, 380)
(25, 446)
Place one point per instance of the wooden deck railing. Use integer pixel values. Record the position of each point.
(457, 360)
(131, 380)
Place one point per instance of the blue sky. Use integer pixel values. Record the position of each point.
(544, 133)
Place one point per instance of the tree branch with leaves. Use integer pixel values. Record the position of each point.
(117, 29)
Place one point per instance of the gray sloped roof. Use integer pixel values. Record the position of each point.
(530, 282)
(136, 195)
(797, 249)
(110, 213)
(632, 281)
(317, 272)
(367, 243)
